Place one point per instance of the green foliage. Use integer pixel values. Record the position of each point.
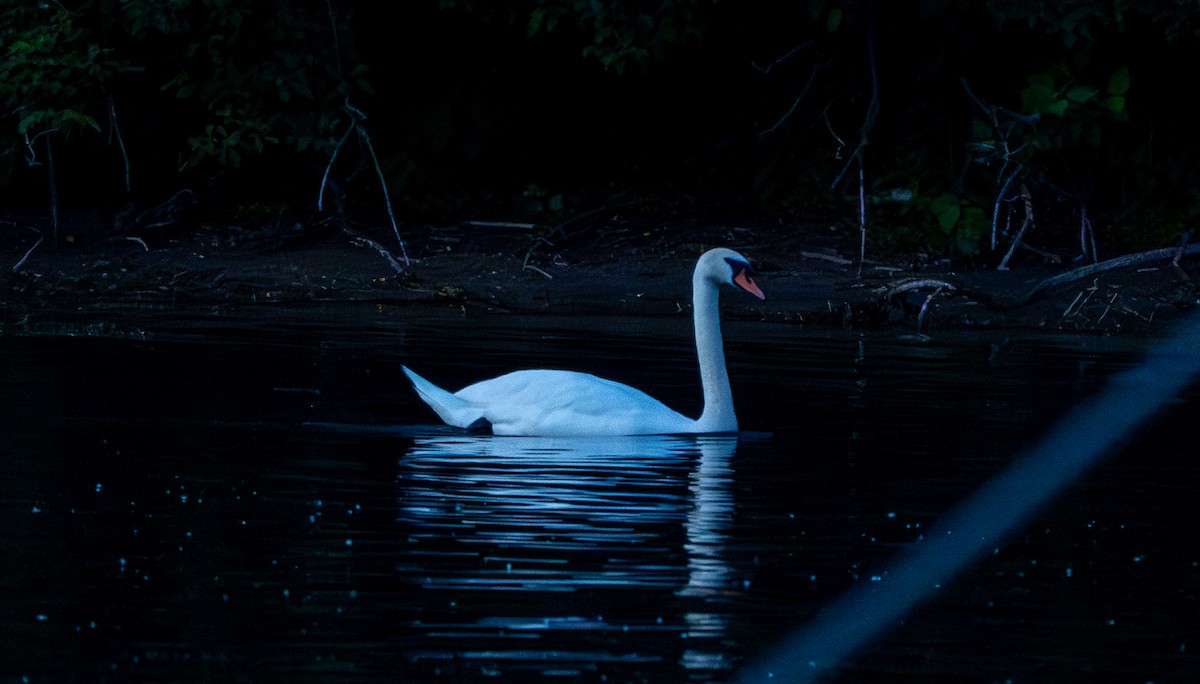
(1076, 102)
(1080, 23)
(265, 73)
(541, 204)
(262, 74)
(956, 225)
(52, 75)
(617, 34)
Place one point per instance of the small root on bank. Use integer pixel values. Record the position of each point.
(526, 266)
(364, 241)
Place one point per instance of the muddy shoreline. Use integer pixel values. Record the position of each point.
(633, 267)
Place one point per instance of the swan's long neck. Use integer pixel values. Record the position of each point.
(718, 413)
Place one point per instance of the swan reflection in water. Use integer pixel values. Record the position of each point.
(535, 515)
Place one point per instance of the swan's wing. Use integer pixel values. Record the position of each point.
(553, 402)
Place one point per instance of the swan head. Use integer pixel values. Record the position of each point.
(724, 266)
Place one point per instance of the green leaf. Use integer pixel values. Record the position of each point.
(299, 83)
(22, 47)
(1118, 84)
(1081, 93)
(72, 116)
(1115, 104)
(535, 21)
(946, 210)
(971, 229)
(1040, 95)
(834, 20)
(30, 119)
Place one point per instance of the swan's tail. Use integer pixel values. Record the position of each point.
(453, 410)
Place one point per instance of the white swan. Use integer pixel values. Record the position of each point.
(553, 403)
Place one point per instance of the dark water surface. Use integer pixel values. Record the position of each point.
(259, 496)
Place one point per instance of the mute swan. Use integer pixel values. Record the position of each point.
(552, 403)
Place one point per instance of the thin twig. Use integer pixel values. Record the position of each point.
(337, 50)
(530, 267)
(1070, 309)
(827, 257)
(134, 238)
(1108, 307)
(529, 253)
(1076, 307)
(383, 252)
(329, 167)
(53, 182)
(999, 199)
(501, 224)
(786, 56)
(872, 106)
(862, 217)
(841, 143)
(925, 308)
(916, 284)
(31, 154)
(116, 129)
(791, 110)
(1183, 240)
(356, 118)
(17, 267)
(1087, 237)
(387, 198)
(1024, 228)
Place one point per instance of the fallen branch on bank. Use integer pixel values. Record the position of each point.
(1173, 253)
(945, 288)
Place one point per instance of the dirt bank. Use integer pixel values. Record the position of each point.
(631, 266)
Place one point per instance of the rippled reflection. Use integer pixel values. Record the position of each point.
(532, 514)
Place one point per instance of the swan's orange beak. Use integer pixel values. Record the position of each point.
(744, 281)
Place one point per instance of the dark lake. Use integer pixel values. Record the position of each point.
(258, 495)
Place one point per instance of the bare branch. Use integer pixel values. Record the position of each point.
(872, 106)
(925, 308)
(791, 110)
(328, 167)
(1087, 236)
(1183, 240)
(786, 57)
(17, 266)
(116, 129)
(916, 284)
(387, 198)
(1110, 264)
(501, 224)
(1000, 198)
(1024, 228)
(862, 217)
(363, 240)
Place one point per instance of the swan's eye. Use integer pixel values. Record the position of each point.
(739, 266)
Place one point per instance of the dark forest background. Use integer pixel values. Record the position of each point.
(946, 121)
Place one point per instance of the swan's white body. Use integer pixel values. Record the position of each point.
(567, 403)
